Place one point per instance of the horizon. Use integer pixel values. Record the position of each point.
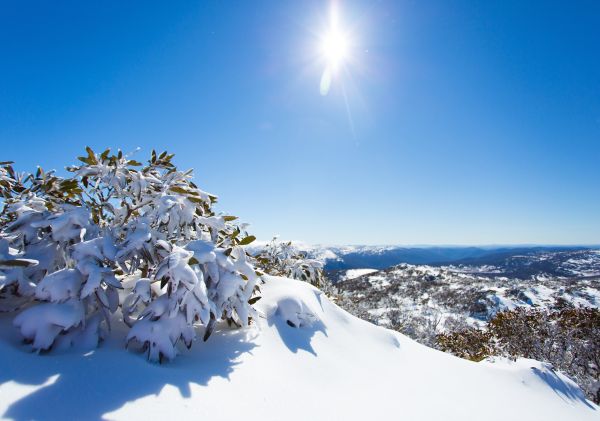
(343, 122)
(301, 244)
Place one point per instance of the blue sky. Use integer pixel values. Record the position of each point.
(452, 122)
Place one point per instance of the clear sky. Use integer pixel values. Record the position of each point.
(448, 122)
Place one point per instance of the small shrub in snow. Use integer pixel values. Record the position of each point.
(422, 327)
(119, 235)
(284, 259)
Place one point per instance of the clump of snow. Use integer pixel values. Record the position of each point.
(355, 273)
(41, 324)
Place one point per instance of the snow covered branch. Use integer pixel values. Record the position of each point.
(284, 259)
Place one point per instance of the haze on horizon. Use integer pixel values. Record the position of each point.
(399, 123)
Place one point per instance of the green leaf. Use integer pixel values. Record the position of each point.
(229, 218)
(23, 263)
(209, 329)
(179, 190)
(91, 159)
(195, 199)
(247, 240)
(253, 300)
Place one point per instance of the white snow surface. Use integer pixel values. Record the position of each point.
(332, 367)
(355, 273)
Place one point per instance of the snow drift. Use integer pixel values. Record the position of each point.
(305, 358)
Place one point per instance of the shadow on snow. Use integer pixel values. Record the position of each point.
(89, 385)
(566, 390)
(297, 338)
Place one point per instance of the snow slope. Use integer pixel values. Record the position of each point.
(333, 367)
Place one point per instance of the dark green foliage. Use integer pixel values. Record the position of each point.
(472, 344)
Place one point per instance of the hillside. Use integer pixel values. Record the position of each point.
(339, 258)
(273, 371)
(476, 293)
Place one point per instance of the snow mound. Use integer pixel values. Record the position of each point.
(305, 358)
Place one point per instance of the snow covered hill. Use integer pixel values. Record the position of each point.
(464, 292)
(330, 366)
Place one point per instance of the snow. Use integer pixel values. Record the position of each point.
(43, 323)
(332, 367)
(355, 273)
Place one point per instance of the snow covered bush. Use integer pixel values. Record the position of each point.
(119, 238)
(284, 259)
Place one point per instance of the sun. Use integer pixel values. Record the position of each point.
(334, 48)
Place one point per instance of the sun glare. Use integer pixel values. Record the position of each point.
(334, 48)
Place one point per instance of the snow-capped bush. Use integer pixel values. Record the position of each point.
(119, 236)
(284, 259)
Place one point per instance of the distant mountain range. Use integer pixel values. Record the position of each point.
(338, 258)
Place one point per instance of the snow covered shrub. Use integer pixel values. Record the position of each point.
(422, 327)
(283, 259)
(119, 236)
